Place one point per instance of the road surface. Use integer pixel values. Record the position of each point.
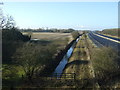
(102, 40)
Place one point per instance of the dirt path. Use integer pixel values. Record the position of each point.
(80, 64)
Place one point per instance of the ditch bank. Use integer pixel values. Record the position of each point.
(59, 69)
(48, 71)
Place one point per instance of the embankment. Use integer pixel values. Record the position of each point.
(52, 66)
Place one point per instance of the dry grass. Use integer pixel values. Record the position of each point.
(80, 64)
(50, 36)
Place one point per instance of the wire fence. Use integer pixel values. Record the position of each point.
(64, 76)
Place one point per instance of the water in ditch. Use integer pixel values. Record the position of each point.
(63, 62)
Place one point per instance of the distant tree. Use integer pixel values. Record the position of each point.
(29, 34)
(75, 34)
(55, 30)
(70, 29)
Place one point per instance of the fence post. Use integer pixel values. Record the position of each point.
(74, 76)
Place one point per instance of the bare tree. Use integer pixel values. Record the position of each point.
(6, 22)
(1, 18)
(31, 58)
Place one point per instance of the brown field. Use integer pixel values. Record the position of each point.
(50, 36)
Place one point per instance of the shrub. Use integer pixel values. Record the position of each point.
(113, 32)
(105, 62)
(11, 40)
(32, 58)
(75, 34)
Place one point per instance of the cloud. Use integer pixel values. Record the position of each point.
(81, 26)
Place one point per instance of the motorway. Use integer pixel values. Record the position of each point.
(117, 39)
(102, 40)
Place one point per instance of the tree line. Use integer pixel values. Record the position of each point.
(53, 30)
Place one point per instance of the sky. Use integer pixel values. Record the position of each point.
(76, 15)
